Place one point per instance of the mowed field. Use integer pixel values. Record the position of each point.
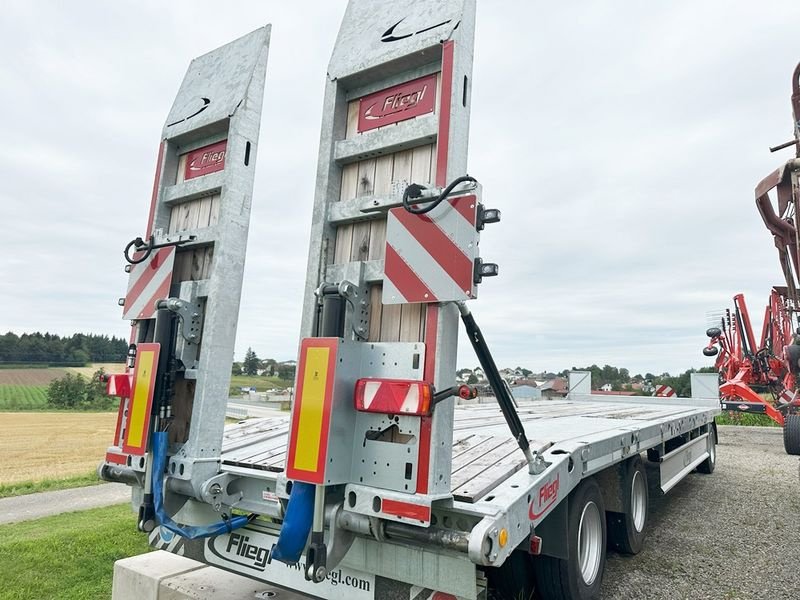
(42, 445)
(26, 389)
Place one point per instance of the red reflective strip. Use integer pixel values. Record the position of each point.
(406, 509)
(317, 476)
(442, 138)
(117, 459)
(118, 429)
(465, 206)
(156, 182)
(153, 268)
(404, 279)
(440, 247)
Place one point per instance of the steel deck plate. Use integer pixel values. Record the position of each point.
(484, 455)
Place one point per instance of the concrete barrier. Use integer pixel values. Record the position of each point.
(163, 576)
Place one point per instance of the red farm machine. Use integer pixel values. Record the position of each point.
(763, 378)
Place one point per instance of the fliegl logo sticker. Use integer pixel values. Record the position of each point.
(397, 103)
(544, 498)
(239, 549)
(208, 159)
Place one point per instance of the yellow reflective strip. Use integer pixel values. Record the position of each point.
(141, 393)
(309, 424)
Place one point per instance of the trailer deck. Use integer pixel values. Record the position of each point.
(484, 455)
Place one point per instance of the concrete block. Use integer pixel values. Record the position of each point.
(210, 583)
(138, 577)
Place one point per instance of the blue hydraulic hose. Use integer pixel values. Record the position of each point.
(296, 524)
(160, 442)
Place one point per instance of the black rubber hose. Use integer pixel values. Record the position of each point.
(416, 190)
(138, 242)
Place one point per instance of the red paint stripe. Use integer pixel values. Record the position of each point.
(317, 476)
(152, 269)
(442, 139)
(426, 423)
(118, 430)
(117, 459)
(465, 206)
(156, 182)
(406, 509)
(441, 248)
(404, 278)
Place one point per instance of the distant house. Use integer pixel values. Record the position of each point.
(554, 388)
(610, 393)
(606, 387)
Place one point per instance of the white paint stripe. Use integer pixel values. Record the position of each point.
(391, 295)
(370, 391)
(424, 265)
(146, 299)
(411, 402)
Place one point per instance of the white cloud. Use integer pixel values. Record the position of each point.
(621, 141)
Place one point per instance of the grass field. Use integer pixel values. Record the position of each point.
(67, 557)
(22, 397)
(47, 445)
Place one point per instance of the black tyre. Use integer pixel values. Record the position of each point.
(710, 351)
(626, 529)
(580, 575)
(708, 465)
(513, 579)
(713, 332)
(791, 435)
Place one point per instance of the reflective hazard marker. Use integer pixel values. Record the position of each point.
(149, 281)
(312, 412)
(431, 257)
(141, 404)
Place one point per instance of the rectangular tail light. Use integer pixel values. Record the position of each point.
(393, 396)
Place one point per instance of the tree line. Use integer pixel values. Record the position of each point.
(252, 365)
(48, 348)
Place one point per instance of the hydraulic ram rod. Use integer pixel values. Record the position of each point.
(498, 386)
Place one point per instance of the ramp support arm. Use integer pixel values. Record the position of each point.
(535, 463)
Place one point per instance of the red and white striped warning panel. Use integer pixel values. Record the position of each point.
(431, 257)
(149, 282)
(664, 391)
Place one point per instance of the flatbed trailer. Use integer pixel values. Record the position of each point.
(378, 485)
(581, 437)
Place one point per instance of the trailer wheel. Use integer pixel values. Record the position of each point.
(626, 529)
(791, 434)
(708, 465)
(513, 579)
(579, 576)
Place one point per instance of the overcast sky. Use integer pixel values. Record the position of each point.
(621, 140)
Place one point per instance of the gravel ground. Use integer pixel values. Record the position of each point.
(732, 534)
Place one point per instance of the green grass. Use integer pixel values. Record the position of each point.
(48, 485)
(69, 556)
(737, 418)
(23, 397)
(262, 384)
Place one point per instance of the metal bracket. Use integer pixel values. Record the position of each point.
(340, 539)
(214, 492)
